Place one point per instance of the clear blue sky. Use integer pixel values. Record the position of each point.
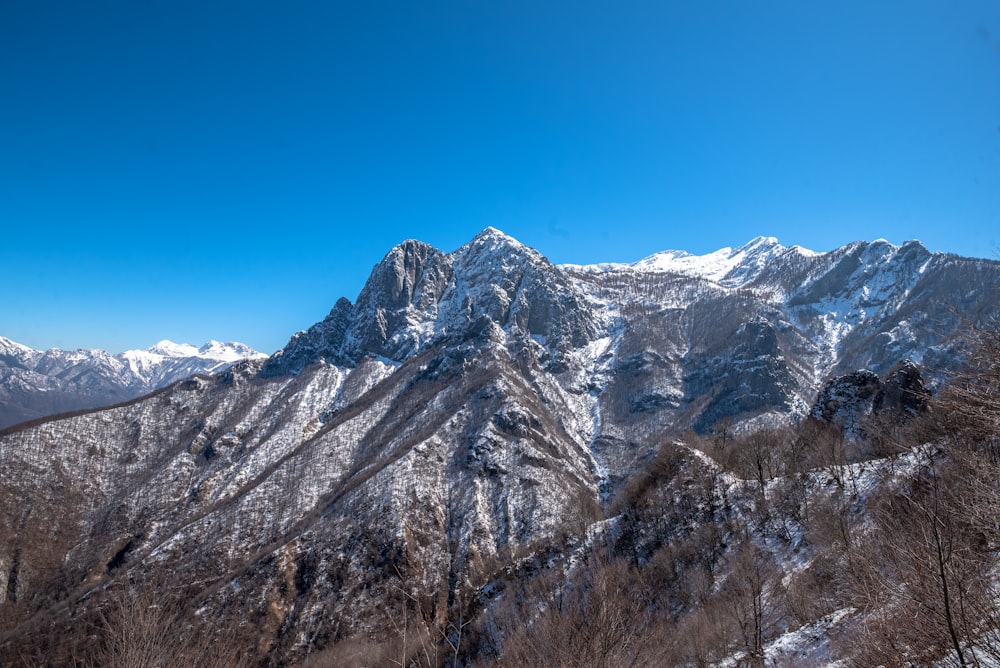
(206, 169)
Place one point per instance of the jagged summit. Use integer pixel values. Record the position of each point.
(418, 295)
(493, 246)
(492, 234)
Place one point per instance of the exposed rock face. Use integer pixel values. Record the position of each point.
(468, 406)
(323, 342)
(903, 392)
(517, 288)
(417, 296)
(846, 400)
(400, 297)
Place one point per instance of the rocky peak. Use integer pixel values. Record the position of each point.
(168, 348)
(15, 355)
(495, 256)
(324, 341)
(903, 393)
(914, 248)
(398, 305)
(491, 237)
(399, 279)
(393, 316)
(732, 267)
(845, 401)
(751, 260)
(228, 350)
(516, 287)
(418, 294)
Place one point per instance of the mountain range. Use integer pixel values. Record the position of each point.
(35, 384)
(468, 413)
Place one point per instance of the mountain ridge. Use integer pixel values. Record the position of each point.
(36, 383)
(468, 411)
(826, 295)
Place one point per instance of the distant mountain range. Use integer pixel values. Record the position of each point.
(467, 408)
(36, 384)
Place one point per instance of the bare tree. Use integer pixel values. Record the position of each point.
(749, 595)
(598, 618)
(136, 628)
(147, 625)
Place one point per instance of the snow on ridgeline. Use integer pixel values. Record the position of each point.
(229, 351)
(157, 365)
(213, 350)
(36, 383)
(728, 266)
(166, 360)
(8, 347)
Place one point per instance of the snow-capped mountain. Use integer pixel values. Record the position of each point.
(35, 384)
(466, 410)
(740, 332)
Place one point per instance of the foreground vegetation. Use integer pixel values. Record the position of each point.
(797, 545)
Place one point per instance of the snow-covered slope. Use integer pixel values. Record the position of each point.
(35, 383)
(466, 408)
(727, 266)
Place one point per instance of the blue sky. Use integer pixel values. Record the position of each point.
(227, 170)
